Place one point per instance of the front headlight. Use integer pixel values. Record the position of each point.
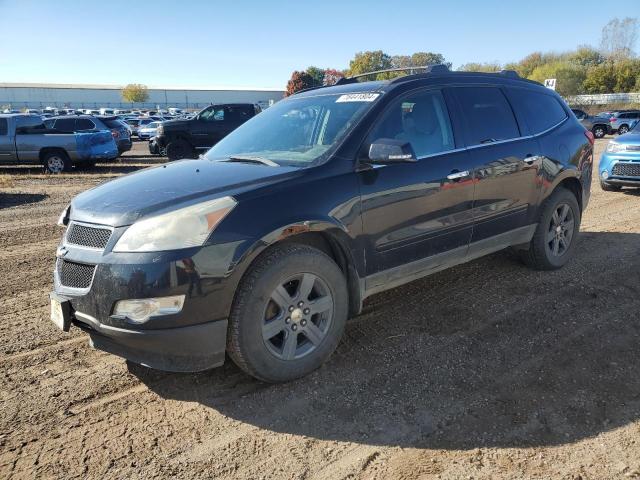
(63, 219)
(614, 147)
(182, 228)
(159, 130)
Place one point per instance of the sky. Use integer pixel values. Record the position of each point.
(236, 43)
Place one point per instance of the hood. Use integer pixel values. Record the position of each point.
(122, 201)
(631, 138)
(175, 124)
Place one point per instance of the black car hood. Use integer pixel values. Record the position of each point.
(122, 201)
(175, 124)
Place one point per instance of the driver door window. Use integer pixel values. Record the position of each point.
(214, 114)
(420, 118)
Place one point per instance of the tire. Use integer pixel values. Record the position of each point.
(609, 188)
(599, 131)
(179, 149)
(283, 339)
(623, 129)
(56, 162)
(551, 248)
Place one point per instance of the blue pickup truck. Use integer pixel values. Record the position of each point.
(24, 139)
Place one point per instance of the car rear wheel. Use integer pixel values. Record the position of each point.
(609, 188)
(553, 243)
(178, 149)
(623, 129)
(599, 131)
(288, 315)
(56, 162)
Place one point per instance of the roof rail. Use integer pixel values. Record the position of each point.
(440, 68)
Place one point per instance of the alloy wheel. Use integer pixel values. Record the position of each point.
(297, 316)
(55, 164)
(598, 132)
(622, 130)
(560, 231)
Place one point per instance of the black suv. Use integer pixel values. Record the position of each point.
(89, 123)
(263, 247)
(184, 138)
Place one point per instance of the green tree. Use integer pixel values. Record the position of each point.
(299, 81)
(569, 77)
(370, 61)
(527, 65)
(586, 56)
(601, 78)
(627, 75)
(317, 74)
(135, 93)
(489, 67)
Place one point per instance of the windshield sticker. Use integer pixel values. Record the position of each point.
(357, 97)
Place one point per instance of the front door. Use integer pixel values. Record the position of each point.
(417, 216)
(209, 127)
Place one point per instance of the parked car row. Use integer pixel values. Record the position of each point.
(607, 123)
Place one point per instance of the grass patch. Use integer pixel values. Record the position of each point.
(6, 181)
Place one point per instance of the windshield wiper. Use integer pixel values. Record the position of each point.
(242, 158)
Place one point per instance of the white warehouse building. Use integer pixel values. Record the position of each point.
(41, 95)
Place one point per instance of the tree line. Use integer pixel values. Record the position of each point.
(613, 67)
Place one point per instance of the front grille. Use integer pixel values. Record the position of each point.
(75, 275)
(626, 170)
(85, 236)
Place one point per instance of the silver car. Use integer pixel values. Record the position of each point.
(623, 121)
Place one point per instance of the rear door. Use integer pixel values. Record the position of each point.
(413, 213)
(506, 162)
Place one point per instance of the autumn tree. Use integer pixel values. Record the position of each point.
(569, 77)
(370, 61)
(331, 76)
(135, 93)
(298, 81)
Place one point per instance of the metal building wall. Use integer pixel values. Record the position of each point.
(38, 96)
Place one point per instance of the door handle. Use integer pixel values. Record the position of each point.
(457, 175)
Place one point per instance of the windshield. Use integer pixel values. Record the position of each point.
(296, 132)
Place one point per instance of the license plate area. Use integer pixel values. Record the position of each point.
(60, 312)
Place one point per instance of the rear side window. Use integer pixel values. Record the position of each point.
(112, 123)
(65, 124)
(84, 124)
(4, 129)
(541, 111)
(488, 115)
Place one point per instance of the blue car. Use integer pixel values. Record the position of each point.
(620, 163)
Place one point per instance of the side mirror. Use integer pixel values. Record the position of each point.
(389, 150)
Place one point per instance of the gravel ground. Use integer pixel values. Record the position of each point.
(487, 370)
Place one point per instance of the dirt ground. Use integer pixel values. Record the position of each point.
(487, 370)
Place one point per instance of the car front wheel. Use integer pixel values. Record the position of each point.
(553, 242)
(56, 162)
(179, 149)
(599, 132)
(288, 315)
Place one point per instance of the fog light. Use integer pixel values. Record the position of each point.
(140, 310)
(604, 175)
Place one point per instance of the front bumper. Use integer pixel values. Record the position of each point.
(183, 349)
(124, 145)
(609, 175)
(192, 340)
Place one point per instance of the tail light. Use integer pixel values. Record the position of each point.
(115, 134)
(590, 137)
(612, 119)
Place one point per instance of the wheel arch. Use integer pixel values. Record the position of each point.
(47, 150)
(570, 180)
(325, 235)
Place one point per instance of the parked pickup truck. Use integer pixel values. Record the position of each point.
(25, 139)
